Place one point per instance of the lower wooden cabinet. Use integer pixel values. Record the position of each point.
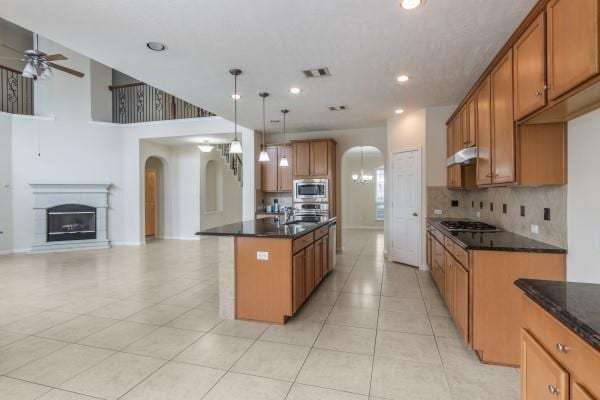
(461, 301)
(309, 273)
(541, 376)
(449, 281)
(309, 266)
(325, 255)
(579, 393)
(318, 261)
(298, 280)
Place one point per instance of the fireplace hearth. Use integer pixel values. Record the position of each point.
(71, 222)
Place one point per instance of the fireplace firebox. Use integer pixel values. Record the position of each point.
(71, 222)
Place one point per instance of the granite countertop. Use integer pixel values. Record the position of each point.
(268, 213)
(496, 241)
(576, 305)
(266, 227)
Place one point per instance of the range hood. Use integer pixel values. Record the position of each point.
(464, 156)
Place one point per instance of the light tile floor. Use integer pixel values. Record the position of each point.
(142, 324)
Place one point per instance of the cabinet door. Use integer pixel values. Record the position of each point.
(438, 262)
(450, 139)
(541, 376)
(284, 173)
(579, 393)
(298, 276)
(301, 157)
(318, 260)
(269, 171)
(503, 124)
(325, 251)
(472, 115)
(450, 281)
(464, 139)
(319, 158)
(530, 69)
(309, 270)
(461, 300)
(429, 251)
(572, 44)
(483, 133)
(450, 177)
(458, 179)
(457, 133)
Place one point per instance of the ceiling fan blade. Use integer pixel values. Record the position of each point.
(67, 70)
(19, 52)
(12, 59)
(55, 57)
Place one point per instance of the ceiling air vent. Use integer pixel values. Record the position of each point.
(338, 108)
(317, 72)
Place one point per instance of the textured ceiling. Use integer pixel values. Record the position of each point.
(443, 47)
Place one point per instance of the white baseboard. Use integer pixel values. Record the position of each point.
(6, 252)
(182, 238)
(128, 243)
(22, 250)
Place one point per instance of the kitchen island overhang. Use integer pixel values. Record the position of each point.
(267, 269)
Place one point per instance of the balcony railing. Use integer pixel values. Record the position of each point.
(16, 92)
(139, 102)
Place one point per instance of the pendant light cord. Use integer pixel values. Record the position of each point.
(284, 126)
(264, 123)
(235, 94)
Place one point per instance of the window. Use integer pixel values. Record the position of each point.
(379, 194)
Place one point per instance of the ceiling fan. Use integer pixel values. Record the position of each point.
(39, 64)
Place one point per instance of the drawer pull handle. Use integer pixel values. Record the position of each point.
(561, 348)
(553, 389)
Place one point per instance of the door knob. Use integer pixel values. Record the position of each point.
(415, 214)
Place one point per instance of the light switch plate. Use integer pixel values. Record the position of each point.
(478, 214)
(262, 255)
(535, 229)
(438, 212)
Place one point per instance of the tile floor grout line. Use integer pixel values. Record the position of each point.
(376, 331)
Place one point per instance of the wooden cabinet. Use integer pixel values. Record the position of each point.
(484, 133)
(438, 269)
(461, 300)
(309, 270)
(542, 154)
(312, 158)
(455, 177)
(325, 256)
(541, 376)
(298, 279)
(284, 174)
(319, 158)
(530, 69)
(503, 128)
(274, 177)
(449, 281)
(572, 44)
(318, 261)
(301, 162)
(429, 249)
(579, 393)
(471, 126)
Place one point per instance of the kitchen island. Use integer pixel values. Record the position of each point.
(268, 269)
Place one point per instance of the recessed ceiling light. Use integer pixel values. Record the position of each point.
(156, 46)
(236, 96)
(295, 90)
(411, 4)
(402, 78)
(399, 111)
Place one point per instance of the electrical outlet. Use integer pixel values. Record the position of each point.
(535, 229)
(478, 214)
(438, 212)
(262, 255)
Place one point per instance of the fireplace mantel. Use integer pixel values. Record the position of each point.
(51, 194)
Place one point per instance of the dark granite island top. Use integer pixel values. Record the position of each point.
(576, 305)
(496, 241)
(266, 227)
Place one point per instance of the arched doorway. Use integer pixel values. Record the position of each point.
(363, 205)
(154, 197)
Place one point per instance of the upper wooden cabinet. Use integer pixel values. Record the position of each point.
(530, 69)
(503, 127)
(274, 177)
(572, 44)
(484, 133)
(471, 126)
(312, 158)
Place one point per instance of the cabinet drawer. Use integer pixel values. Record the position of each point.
(449, 244)
(580, 359)
(461, 255)
(303, 242)
(322, 231)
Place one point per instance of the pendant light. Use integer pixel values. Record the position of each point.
(236, 146)
(362, 177)
(284, 161)
(264, 156)
(206, 147)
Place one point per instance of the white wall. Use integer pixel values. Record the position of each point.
(358, 208)
(5, 183)
(435, 144)
(101, 96)
(583, 200)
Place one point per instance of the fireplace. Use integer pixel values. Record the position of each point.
(71, 222)
(70, 216)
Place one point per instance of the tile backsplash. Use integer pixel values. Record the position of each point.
(513, 209)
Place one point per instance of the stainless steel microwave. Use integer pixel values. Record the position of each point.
(311, 190)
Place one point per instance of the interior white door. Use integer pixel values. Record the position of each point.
(406, 207)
